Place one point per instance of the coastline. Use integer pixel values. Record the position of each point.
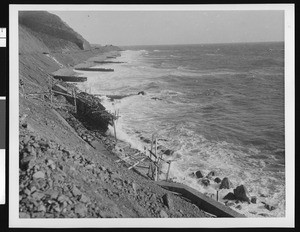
(68, 169)
(260, 207)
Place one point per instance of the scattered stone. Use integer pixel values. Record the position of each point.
(168, 201)
(76, 191)
(80, 209)
(142, 93)
(269, 207)
(41, 208)
(239, 207)
(192, 175)
(229, 203)
(225, 184)
(38, 175)
(229, 196)
(134, 187)
(206, 182)
(27, 191)
(241, 193)
(37, 195)
(53, 194)
(163, 214)
(26, 139)
(51, 164)
(211, 174)
(168, 152)
(152, 197)
(24, 215)
(217, 180)
(198, 174)
(62, 198)
(84, 198)
(253, 199)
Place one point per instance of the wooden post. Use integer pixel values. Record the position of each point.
(151, 148)
(157, 162)
(114, 128)
(75, 104)
(168, 170)
(51, 96)
(156, 148)
(156, 172)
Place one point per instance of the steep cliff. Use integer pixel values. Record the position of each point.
(52, 31)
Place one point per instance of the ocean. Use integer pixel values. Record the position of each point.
(220, 107)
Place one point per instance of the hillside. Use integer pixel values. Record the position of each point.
(67, 166)
(50, 29)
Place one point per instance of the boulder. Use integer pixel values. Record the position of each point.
(225, 184)
(76, 191)
(167, 200)
(198, 174)
(269, 206)
(229, 203)
(253, 199)
(211, 174)
(217, 180)
(41, 208)
(84, 198)
(141, 93)
(192, 175)
(239, 207)
(80, 209)
(38, 175)
(168, 152)
(163, 214)
(229, 196)
(241, 193)
(206, 182)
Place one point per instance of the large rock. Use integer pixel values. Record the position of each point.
(211, 174)
(229, 196)
(253, 199)
(269, 206)
(38, 175)
(81, 209)
(217, 180)
(142, 93)
(225, 184)
(206, 182)
(167, 200)
(241, 193)
(163, 214)
(198, 174)
(168, 152)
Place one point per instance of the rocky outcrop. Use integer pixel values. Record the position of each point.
(52, 31)
(225, 184)
(241, 193)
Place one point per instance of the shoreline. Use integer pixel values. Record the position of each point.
(68, 169)
(109, 142)
(233, 200)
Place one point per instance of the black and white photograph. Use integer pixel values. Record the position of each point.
(164, 116)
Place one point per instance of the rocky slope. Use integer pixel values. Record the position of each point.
(67, 167)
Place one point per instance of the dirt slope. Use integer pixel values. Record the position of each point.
(62, 173)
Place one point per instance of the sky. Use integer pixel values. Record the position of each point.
(175, 27)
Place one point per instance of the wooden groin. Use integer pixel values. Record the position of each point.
(95, 69)
(203, 202)
(70, 78)
(108, 62)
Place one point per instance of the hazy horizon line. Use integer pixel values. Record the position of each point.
(175, 44)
